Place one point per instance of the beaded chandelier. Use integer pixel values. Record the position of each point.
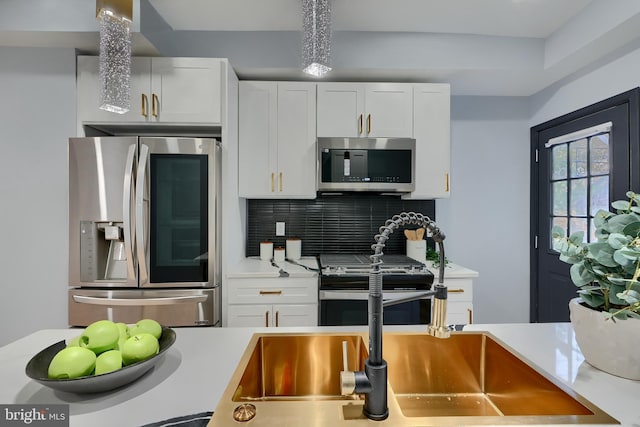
(316, 43)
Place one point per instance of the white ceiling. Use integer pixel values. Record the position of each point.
(513, 18)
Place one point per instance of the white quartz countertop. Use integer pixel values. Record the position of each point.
(193, 374)
(255, 267)
(452, 271)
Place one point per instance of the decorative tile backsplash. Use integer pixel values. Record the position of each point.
(343, 223)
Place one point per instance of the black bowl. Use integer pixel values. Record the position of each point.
(38, 366)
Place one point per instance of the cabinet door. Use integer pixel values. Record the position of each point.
(186, 90)
(88, 92)
(340, 110)
(296, 172)
(257, 136)
(433, 146)
(295, 315)
(249, 315)
(389, 110)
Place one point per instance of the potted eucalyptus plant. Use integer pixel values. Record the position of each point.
(606, 273)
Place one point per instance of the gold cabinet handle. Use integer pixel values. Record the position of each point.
(277, 318)
(446, 180)
(145, 105)
(455, 291)
(266, 319)
(368, 124)
(281, 182)
(278, 292)
(155, 105)
(470, 315)
(360, 124)
(273, 185)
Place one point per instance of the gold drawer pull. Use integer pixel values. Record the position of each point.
(446, 182)
(456, 291)
(278, 292)
(266, 319)
(277, 318)
(470, 315)
(145, 106)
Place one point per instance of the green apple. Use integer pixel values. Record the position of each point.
(123, 329)
(100, 336)
(72, 362)
(147, 325)
(108, 361)
(139, 347)
(74, 342)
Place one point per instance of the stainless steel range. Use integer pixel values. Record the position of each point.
(344, 285)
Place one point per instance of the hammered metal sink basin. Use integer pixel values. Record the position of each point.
(473, 375)
(297, 367)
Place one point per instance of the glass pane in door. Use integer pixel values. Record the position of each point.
(579, 179)
(178, 218)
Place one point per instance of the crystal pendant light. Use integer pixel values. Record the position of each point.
(316, 43)
(115, 18)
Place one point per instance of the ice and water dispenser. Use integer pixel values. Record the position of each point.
(102, 251)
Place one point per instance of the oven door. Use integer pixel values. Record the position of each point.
(346, 308)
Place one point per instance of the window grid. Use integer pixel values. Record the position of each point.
(581, 168)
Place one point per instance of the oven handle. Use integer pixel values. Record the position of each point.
(364, 295)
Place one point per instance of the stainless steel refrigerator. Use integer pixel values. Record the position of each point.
(144, 230)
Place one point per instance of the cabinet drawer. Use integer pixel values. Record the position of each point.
(272, 291)
(459, 289)
(459, 313)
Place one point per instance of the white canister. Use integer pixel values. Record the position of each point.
(294, 248)
(266, 251)
(278, 254)
(417, 249)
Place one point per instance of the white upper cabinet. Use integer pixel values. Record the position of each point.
(277, 123)
(168, 90)
(431, 129)
(365, 110)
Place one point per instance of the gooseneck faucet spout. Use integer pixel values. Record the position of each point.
(373, 381)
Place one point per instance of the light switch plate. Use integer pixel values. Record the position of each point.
(279, 228)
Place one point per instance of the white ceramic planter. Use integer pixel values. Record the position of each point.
(608, 346)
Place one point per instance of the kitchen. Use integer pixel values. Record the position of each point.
(485, 121)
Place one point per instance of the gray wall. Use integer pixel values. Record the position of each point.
(37, 115)
(486, 220)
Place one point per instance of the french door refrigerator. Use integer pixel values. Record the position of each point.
(144, 230)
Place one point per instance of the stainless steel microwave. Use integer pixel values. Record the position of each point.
(366, 164)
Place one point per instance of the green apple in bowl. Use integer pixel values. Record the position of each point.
(109, 361)
(139, 347)
(72, 362)
(123, 329)
(100, 336)
(147, 325)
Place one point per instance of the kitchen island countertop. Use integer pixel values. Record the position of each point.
(194, 373)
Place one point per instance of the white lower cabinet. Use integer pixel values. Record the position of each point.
(273, 315)
(272, 302)
(459, 301)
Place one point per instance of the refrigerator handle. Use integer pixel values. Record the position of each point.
(141, 222)
(126, 213)
(119, 302)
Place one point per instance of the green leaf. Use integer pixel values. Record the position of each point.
(558, 232)
(577, 238)
(602, 253)
(623, 258)
(617, 223)
(618, 241)
(621, 205)
(632, 229)
(580, 275)
(592, 299)
(601, 218)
